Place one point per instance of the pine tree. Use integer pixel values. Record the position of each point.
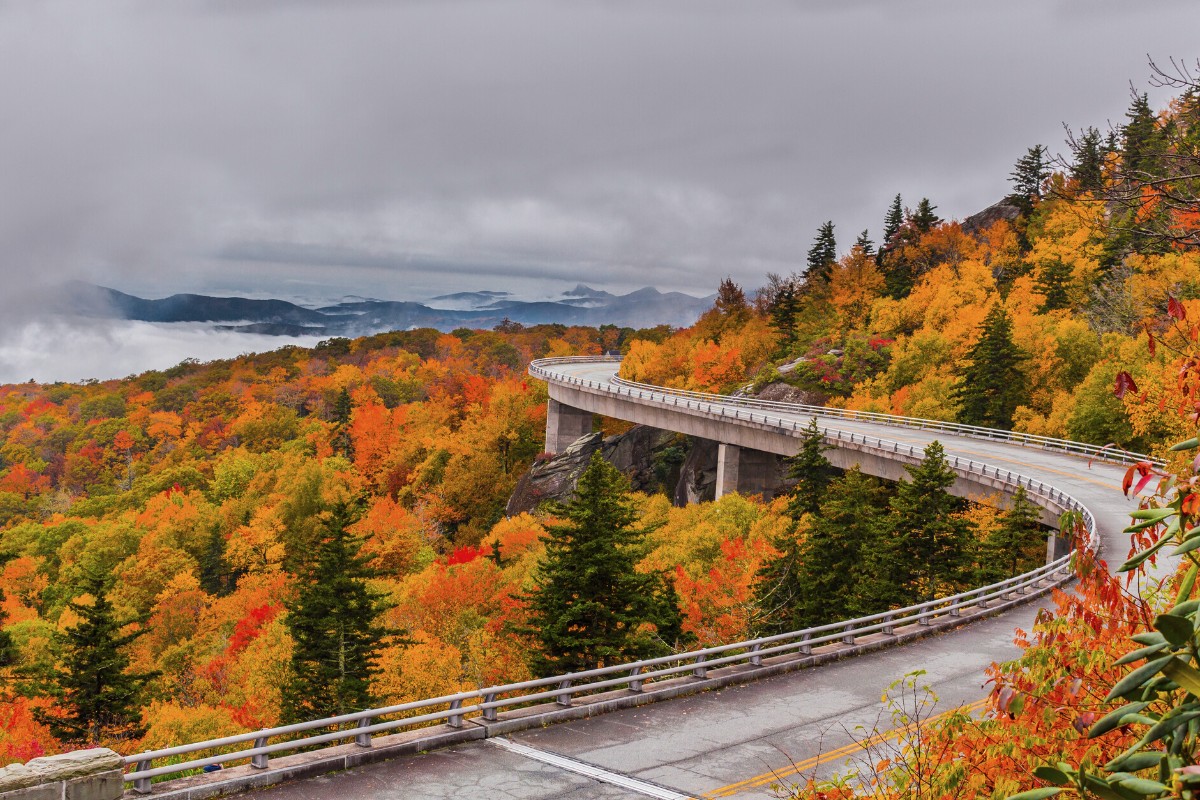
(97, 698)
(990, 384)
(334, 624)
(812, 472)
(1053, 282)
(1020, 538)
(216, 576)
(8, 650)
(1088, 167)
(827, 562)
(823, 254)
(1030, 172)
(591, 607)
(931, 544)
(864, 243)
(782, 309)
(923, 219)
(1140, 139)
(891, 226)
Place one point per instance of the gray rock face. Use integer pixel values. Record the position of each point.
(977, 223)
(780, 392)
(698, 475)
(649, 457)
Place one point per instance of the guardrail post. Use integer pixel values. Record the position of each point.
(888, 628)
(455, 720)
(563, 699)
(142, 785)
(489, 713)
(955, 611)
(635, 685)
(700, 671)
(755, 658)
(848, 637)
(805, 647)
(924, 620)
(259, 761)
(364, 739)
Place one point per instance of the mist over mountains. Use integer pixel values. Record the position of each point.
(582, 305)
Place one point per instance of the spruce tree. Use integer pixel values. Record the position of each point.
(1053, 282)
(1141, 140)
(1030, 172)
(1088, 167)
(923, 219)
(782, 311)
(932, 546)
(990, 385)
(891, 226)
(864, 243)
(828, 569)
(334, 625)
(823, 253)
(97, 698)
(812, 472)
(1019, 539)
(591, 607)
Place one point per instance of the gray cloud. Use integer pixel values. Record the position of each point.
(400, 149)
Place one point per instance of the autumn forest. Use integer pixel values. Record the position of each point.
(188, 516)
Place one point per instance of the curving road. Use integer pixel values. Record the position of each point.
(738, 741)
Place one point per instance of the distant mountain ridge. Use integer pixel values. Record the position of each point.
(484, 309)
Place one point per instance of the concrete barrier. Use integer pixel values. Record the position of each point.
(96, 774)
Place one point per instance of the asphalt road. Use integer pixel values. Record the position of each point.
(738, 741)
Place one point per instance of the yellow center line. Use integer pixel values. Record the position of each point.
(795, 768)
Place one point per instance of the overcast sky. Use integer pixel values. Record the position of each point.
(403, 149)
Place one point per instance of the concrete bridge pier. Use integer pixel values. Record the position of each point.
(746, 471)
(565, 424)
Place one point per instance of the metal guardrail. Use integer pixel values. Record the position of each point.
(645, 391)
(451, 710)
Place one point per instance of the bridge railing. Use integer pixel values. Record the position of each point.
(455, 710)
(621, 386)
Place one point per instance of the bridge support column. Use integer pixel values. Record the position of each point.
(1057, 546)
(745, 471)
(564, 425)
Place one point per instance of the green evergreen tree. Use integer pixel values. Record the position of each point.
(864, 243)
(1088, 168)
(990, 385)
(823, 253)
(1030, 172)
(216, 576)
(1053, 282)
(812, 472)
(828, 570)
(8, 650)
(97, 697)
(1141, 145)
(932, 546)
(1018, 541)
(334, 624)
(891, 226)
(591, 607)
(782, 310)
(923, 219)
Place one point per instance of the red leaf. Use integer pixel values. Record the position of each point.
(1124, 384)
(1150, 335)
(1127, 481)
(1176, 309)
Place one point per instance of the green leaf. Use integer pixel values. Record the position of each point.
(1144, 786)
(1053, 775)
(1187, 547)
(1113, 718)
(1140, 653)
(1186, 609)
(1177, 630)
(1140, 761)
(1135, 679)
(1152, 513)
(1149, 551)
(1187, 444)
(1036, 794)
(1184, 674)
(1149, 637)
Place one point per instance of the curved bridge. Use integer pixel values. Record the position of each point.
(699, 746)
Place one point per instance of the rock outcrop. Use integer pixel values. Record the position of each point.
(649, 457)
(977, 223)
